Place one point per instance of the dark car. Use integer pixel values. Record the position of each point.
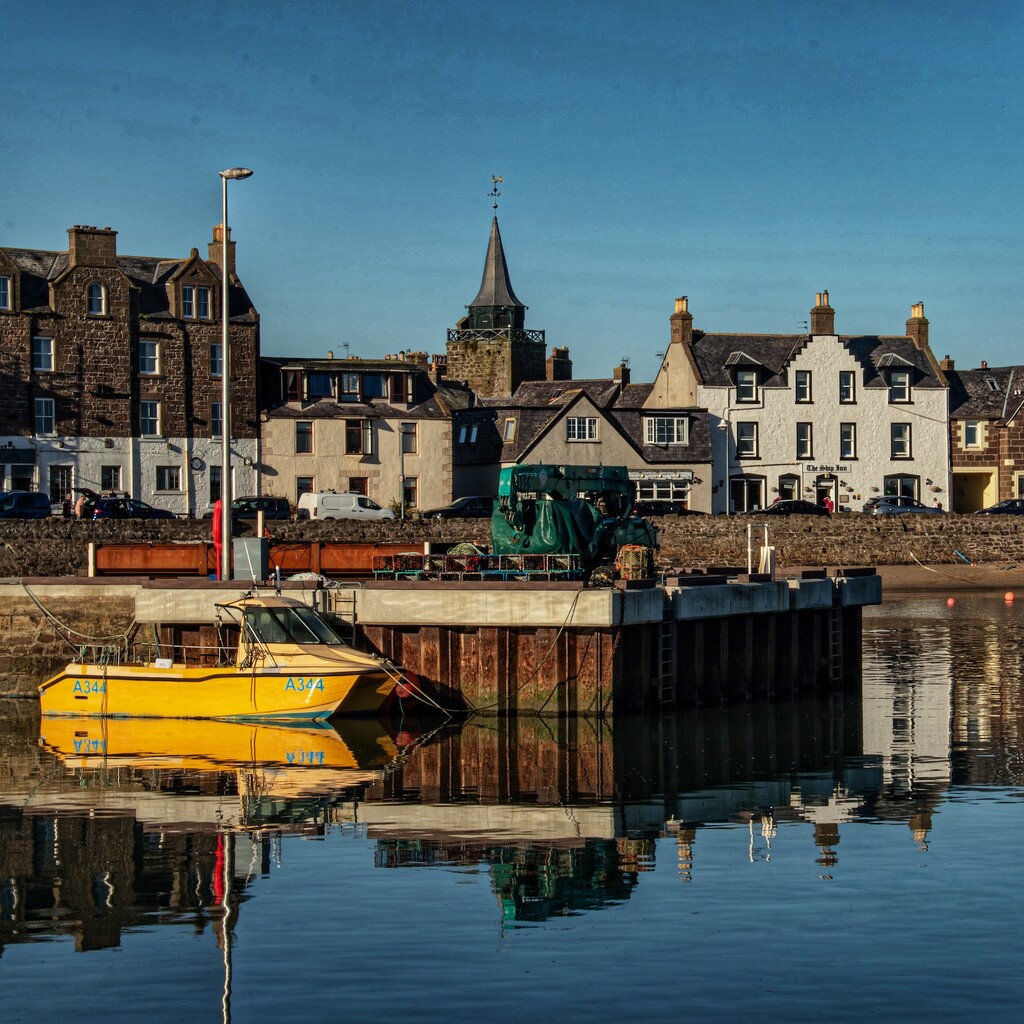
(897, 505)
(249, 506)
(791, 507)
(125, 508)
(473, 507)
(24, 505)
(1009, 507)
(663, 507)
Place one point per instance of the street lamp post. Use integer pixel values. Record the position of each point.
(235, 174)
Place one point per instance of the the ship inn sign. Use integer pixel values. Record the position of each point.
(813, 467)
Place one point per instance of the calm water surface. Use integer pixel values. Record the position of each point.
(814, 860)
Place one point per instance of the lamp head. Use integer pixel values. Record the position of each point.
(236, 173)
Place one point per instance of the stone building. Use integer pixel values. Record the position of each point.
(816, 415)
(110, 372)
(986, 434)
(378, 427)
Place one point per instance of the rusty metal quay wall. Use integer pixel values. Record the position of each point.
(507, 648)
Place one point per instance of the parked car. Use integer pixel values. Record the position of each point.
(127, 508)
(791, 507)
(330, 505)
(249, 506)
(663, 507)
(24, 505)
(474, 507)
(1009, 507)
(892, 505)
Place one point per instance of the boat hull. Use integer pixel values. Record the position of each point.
(275, 693)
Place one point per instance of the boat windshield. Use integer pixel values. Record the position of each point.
(289, 626)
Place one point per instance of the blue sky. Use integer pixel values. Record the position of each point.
(746, 154)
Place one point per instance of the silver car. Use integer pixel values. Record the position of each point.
(897, 506)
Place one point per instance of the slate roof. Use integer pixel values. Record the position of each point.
(149, 274)
(540, 405)
(495, 288)
(992, 393)
(715, 354)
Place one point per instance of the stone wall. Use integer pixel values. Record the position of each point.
(58, 547)
(40, 637)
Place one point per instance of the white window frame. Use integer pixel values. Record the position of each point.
(969, 428)
(188, 302)
(666, 430)
(899, 387)
(900, 438)
(6, 292)
(581, 428)
(204, 295)
(847, 387)
(45, 417)
(746, 387)
(96, 290)
(216, 359)
(149, 357)
(802, 387)
(42, 356)
(149, 412)
(847, 440)
(216, 419)
(747, 438)
(110, 478)
(168, 479)
(508, 433)
(804, 440)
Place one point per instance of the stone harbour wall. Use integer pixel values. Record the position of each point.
(58, 547)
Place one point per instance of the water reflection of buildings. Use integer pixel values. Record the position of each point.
(98, 832)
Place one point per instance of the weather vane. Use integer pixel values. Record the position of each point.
(494, 193)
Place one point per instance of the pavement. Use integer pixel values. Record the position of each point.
(994, 577)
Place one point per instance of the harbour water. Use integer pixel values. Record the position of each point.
(822, 859)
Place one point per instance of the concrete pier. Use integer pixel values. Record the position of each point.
(555, 648)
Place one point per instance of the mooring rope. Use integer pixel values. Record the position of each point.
(65, 632)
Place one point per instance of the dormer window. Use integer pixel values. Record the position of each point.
(6, 298)
(899, 386)
(195, 302)
(508, 434)
(666, 430)
(349, 390)
(746, 385)
(96, 299)
(319, 385)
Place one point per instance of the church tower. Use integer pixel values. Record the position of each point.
(490, 347)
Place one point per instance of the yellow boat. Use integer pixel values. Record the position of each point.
(289, 665)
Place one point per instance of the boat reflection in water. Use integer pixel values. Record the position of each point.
(184, 770)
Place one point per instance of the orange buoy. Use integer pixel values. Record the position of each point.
(1009, 597)
(950, 601)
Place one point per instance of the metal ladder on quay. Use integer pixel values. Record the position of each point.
(667, 662)
(835, 646)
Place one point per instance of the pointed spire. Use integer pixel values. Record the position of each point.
(496, 302)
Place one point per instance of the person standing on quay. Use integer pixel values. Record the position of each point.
(829, 504)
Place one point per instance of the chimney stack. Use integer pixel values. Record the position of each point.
(917, 326)
(621, 374)
(558, 365)
(946, 364)
(216, 250)
(91, 246)
(681, 321)
(823, 316)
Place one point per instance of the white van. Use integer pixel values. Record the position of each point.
(328, 505)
